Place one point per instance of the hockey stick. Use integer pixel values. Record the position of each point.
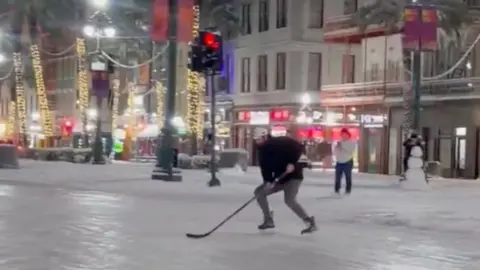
(202, 235)
(196, 236)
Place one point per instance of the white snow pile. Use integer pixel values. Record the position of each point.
(184, 161)
(202, 161)
(415, 175)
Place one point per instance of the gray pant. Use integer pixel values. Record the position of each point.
(290, 191)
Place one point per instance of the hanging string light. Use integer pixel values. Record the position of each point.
(160, 93)
(82, 82)
(45, 113)
(194, 89)
(20, 93)
(11, 119)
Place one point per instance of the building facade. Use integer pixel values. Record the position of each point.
(279, 60)
(353, 80)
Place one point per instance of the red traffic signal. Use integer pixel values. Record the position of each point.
(209, 40)
(67, 127)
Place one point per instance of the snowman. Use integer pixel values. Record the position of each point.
(415, 175)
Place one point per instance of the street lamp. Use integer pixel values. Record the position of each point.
(306, 99)
(101, 4)
(99, 32)
(100, 79)
(163, 168)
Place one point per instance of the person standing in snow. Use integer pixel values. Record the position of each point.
(343, 152)
(281, 171)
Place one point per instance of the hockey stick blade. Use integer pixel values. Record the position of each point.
(198, 236)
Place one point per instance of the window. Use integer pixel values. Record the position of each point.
(393, 71)
(246, 22)
(350, 6)
(374, 72)
(348, 68)
(262, 73)
(263, 15)
(282, 13)
(245, 78)
(314, 71)
(281, 73)
(315, 19)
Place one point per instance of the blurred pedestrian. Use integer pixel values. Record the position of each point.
(344, 151)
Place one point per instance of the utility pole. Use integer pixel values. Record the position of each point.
(164, 168)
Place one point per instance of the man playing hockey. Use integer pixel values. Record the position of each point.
(281, 171)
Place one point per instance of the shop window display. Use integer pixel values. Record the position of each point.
(320, 141)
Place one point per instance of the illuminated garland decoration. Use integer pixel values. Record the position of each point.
(116, 98)
(201, 107)
(160, 93)
(82, 82)
(11, 120)
(20, 93)
(45, 113)
(194, 89)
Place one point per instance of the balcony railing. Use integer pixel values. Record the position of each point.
(338, 23)
(343, 26)
(379, 91)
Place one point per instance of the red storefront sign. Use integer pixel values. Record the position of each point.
(310, 133)
(329, 133)
(279, 115)
(335, 133)
(243, 116)
(275, 115)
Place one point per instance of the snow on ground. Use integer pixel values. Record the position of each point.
(71, 216)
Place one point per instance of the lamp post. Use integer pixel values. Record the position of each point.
(100, 84)
(163, 168)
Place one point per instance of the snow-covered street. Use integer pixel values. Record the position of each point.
(67, 216)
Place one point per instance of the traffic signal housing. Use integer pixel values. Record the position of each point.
(206, 52)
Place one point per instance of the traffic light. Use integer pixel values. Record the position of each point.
(67, 127)
(212, 44)
(196, 58)
(206, 52)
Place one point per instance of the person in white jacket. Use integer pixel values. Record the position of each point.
(343, 152)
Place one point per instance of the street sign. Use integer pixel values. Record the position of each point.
(100, 83)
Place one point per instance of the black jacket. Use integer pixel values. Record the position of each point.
(274, 156)
(410, 143)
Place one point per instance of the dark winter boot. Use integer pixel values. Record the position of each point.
(267, 223)
(311, 225)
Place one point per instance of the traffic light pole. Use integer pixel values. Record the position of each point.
(163, 168)
(214, 181)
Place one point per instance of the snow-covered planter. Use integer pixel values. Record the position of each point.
(184, 161)
(67, 154)
(202, 161)
(8, 156)
(234, 158)
(82, 155)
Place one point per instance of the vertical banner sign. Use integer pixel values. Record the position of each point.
(143, 75)
(411, 27)
(100, 83)
(159, 30)
(185, 20)
(428, 37)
